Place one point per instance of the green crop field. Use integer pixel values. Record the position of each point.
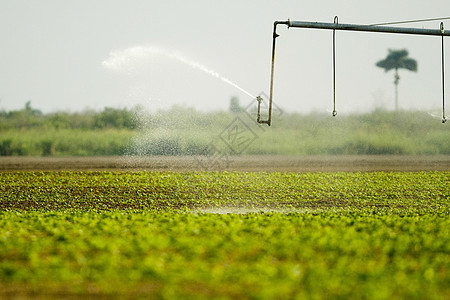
(225, 235)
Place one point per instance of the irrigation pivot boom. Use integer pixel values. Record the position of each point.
(348, 27)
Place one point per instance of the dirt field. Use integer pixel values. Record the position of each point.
(229, 163)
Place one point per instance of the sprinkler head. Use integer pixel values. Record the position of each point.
(444, 119)
(334, 113)
(259, 99)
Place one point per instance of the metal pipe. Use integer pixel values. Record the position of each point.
(259, 99)
(369, 28)
(348, 27)
(334, 113)
(444, 119)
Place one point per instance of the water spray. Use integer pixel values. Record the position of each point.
(351, 27)
(125, 59)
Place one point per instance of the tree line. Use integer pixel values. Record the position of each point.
(29, 117)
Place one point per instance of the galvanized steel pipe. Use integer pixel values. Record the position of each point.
(369, 28)
(347, 27)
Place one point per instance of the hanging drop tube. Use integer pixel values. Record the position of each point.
(259, 99)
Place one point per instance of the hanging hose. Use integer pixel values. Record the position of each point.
(443, 75)
(334, 68)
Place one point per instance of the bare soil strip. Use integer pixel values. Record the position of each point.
(360, 163)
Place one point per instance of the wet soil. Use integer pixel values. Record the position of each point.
(229, 163)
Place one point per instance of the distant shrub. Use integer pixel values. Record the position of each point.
(115, 118)
(371, 148)
(195, 148)
(8, 148)
(5, 147)
(29, 118)
(47, 147)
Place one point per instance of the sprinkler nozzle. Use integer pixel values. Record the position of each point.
(444, 119)
(334, 113)
(258, 119)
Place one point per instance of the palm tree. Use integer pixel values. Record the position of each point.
(397, 59)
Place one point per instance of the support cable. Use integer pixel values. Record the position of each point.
(411, 21)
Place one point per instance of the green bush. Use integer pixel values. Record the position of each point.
(8, 148)
(185, 131)
(115, 118)
(29, 118)
(48, 148)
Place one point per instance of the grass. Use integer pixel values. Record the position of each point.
(65, 142)
(147, 234)
(404, 133)
(187, 132)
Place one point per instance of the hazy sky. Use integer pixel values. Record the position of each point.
(75, 55)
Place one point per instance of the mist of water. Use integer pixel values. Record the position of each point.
(126, 59)
(162, 133)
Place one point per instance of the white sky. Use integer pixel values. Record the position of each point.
(56, 53)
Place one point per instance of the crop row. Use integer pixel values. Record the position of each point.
(146, 234)
(160, 191)
(173, 255)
